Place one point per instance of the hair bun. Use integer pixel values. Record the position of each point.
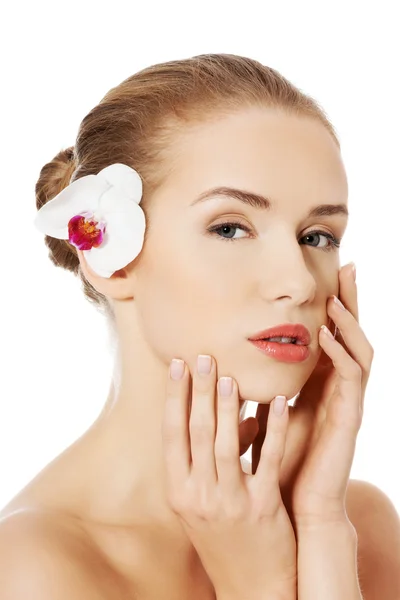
(54, 177)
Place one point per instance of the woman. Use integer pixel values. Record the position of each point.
(234, 228)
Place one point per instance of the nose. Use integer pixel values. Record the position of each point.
(288, 273)
(299, 287)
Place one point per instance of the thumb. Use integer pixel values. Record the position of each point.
(248, 429)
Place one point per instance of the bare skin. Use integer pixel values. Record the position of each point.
(196, 293)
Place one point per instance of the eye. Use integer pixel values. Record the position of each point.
(230, 225)
(333, 242)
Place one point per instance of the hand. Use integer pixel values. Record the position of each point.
(236, 522)
(325, 420)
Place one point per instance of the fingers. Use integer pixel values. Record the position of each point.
(202, 420)
(349, 335)
(266, 478)
(358, 349)
(174, 427)
(195, 444)
(205, 445)
(227, 457)
(333, 453)
(348, 290)
(354, 337)
(344, 409)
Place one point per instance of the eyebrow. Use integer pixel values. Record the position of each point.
(263, 203)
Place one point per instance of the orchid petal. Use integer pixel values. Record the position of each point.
(123, 239)
(124, 178)
(82, 195)
(108, 219)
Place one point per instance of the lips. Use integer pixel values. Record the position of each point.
(289, 330)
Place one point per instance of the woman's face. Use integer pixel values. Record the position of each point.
(199, 292)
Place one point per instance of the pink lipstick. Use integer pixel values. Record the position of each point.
(287, 342)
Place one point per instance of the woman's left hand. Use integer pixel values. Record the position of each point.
(325, 420)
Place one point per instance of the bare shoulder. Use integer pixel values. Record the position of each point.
(366, 501)
(42, 557)
(377, 524)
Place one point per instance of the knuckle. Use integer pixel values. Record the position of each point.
(201, 425)
(356, 371)
(266, 509)
(201, 431)
(225, 453)
(170, 398)
(236, 511)
(213, 510)
(206, 507)
(275, 455)
(225, 404)
(170, 430)
(274, 450)
(176, 502)
(168, 438)
(206, 513)
(202, 384)
(173, 386)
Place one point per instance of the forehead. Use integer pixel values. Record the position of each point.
(261, 150)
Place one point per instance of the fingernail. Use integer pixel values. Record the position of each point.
(177, 368)
(337, 301)
(204, 364)
(279, 405)
(353, 266)
(225, 386)
(327, 331)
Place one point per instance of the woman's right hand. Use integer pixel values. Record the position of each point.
(237, 522)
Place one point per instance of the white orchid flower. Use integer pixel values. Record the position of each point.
(100, 215)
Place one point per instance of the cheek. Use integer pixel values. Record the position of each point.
(180, 306)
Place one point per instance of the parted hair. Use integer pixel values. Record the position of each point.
(136, 123)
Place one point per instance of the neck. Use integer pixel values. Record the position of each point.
(118, 463)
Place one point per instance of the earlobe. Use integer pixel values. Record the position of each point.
(118, 287)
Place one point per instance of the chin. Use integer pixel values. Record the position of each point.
(265, 391)
(262, 384)
(263, 400)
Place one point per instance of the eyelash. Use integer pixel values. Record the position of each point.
(334, 242)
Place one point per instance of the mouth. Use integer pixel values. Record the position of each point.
(283, 340)
(285, 351)
(295, 334)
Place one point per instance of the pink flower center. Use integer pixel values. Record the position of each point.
(84, 232)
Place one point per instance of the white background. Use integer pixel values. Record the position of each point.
(58, 61)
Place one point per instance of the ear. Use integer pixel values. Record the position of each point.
(118, 287)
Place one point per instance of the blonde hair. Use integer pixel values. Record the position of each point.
(136, 121)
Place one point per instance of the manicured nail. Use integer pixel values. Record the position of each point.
(279, 405)
(204, 364)
(353, 266)
(327, 332)
(225, 386)
(177, 368)
(337, 301)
